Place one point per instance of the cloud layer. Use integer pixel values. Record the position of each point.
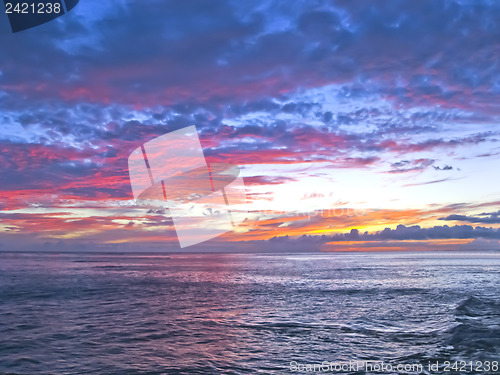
(396, 100)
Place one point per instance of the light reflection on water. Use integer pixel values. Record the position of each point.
(238, 314)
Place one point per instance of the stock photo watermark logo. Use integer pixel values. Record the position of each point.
(204, 200)
(26, 14)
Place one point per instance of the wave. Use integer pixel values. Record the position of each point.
(477, 331)
(475, 307)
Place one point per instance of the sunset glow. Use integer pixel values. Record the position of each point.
(354, 131)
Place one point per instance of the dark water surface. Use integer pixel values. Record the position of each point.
(245, 314)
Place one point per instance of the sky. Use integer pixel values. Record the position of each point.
(357, 126)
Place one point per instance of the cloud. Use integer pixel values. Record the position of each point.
(267, 180)
(486, 218)
(445, 168)
(402, 84)
(429, 182)
(403, 233)
(405, 166)
(431, 53)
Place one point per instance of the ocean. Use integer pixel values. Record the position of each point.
(344, 313)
